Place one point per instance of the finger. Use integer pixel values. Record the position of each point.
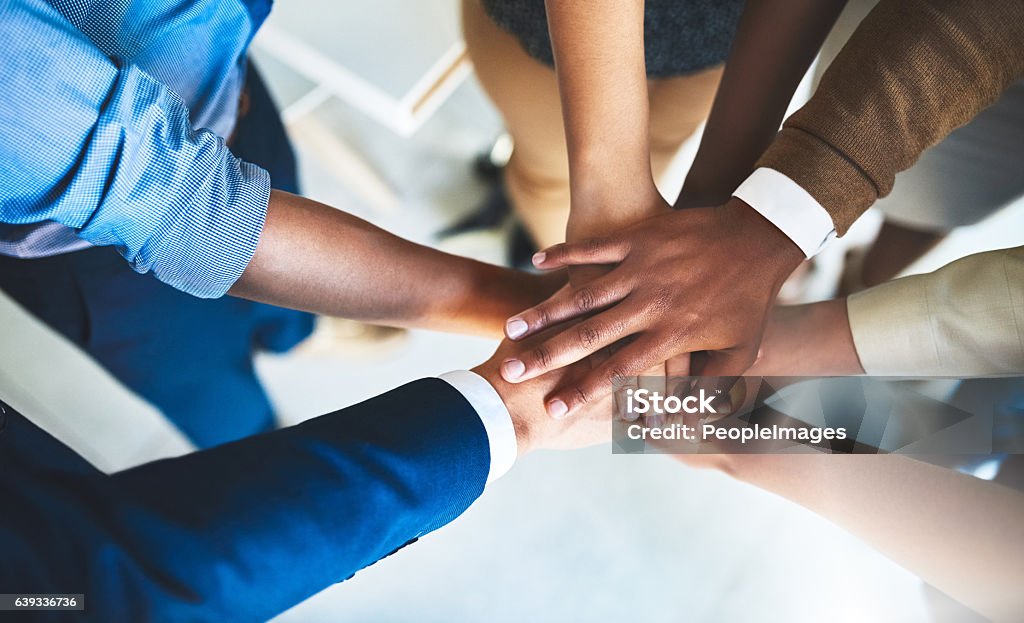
(677, 375)
(717, 374)
(572, 344)
(566, 304)
(622, 392)
(630, 361)
(653, 380)
(678, 366)
(592, 251)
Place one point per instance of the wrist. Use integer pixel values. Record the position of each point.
(509, 291)
(762, 240)
(823, 329)
(697, 195)
(507, 392)
(809, 340)
(831, 321)
(598, 211)
(609, 162)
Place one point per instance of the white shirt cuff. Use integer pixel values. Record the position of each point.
(501, 434)
(790, 208)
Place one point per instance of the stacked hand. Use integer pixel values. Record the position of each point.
(525, 403)
(698, 281)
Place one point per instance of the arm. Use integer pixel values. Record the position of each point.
(123, 166)
(712, 290)
(311, 256)
(775, 44)
(602, 81)
(962, 535)
(105, 149)
(963, 320)
(245, 530)
(912, 73)
(808, 340)
(776, 41)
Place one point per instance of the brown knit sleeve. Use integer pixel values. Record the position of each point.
(914, 71)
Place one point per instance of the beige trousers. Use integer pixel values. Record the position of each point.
(525, 91)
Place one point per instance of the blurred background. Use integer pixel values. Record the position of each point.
(388, 122)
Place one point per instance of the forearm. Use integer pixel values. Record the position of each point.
(959, 321)
(963, 535)
(248, 529)
(776, 41)
(602, 80)
(912, 72)
(313, 257)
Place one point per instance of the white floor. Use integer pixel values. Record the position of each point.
(564, 537)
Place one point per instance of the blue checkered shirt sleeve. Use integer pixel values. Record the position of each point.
(100, 146)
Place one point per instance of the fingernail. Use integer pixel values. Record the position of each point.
(512, 369)
(516, 328)
(539, 257)
(557, 409)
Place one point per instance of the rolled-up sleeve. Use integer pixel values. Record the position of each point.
(102, 147)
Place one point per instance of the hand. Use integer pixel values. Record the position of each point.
(614, 214)
(525, 402)
(702, 279)
(594, 215)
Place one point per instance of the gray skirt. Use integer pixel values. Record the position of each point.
(680, 36)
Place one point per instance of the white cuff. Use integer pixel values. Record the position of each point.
(790, 208)
(501, 434)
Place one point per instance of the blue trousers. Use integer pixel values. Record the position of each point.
(191, 358)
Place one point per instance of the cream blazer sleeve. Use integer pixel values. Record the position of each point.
(965, 319)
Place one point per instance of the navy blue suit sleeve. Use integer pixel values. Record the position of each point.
(243, 531)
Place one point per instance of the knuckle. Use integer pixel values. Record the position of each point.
(584, 299)
(678, 335)
(617, 374)
(541, 316)
(592, 246)
(542, 355)
(589, 335)
(580, 395)
(660, 301)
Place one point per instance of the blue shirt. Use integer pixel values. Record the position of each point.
(112, 118)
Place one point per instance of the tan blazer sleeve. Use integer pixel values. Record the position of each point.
(964, 320)
(914, 71)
